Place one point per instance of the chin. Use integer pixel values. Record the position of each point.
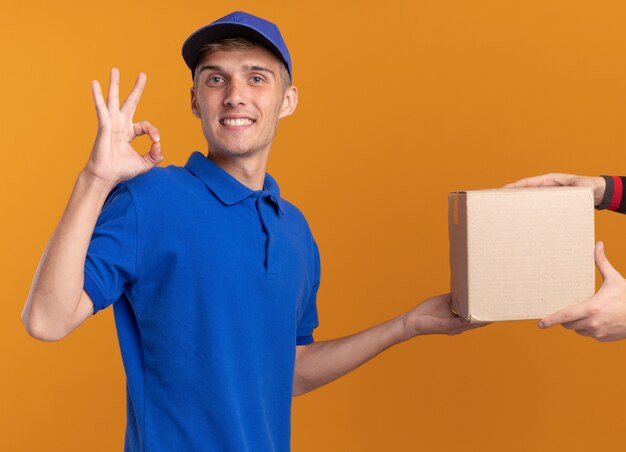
(234, 151)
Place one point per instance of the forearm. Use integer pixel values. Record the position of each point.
(322, 362)
(58, 283)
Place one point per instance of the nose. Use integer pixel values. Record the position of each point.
(235, 94)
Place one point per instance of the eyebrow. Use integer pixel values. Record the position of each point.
(247, 68)
(244, 68)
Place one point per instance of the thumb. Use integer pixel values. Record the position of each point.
(153, 157)
(603, 264)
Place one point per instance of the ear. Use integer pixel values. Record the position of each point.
(195, 110)
(290, 102)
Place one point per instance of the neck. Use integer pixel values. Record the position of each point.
(250, 171)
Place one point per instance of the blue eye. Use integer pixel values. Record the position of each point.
(257, 79)
(214, 80)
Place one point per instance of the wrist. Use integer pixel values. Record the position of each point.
(91, 187)
(407, 329)
(88, 178)
(599, 187)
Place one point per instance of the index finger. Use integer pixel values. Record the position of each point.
(131, 102)
(545, 180)
(573, 313)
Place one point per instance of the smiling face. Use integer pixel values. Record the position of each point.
(239, 97)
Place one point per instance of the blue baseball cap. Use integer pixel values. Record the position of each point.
(237, 25)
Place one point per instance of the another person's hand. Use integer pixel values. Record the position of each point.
(602, 316)
(112, 158)
(557, 179)
(434, 316)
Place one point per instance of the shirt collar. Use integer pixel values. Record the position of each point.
(228, 189)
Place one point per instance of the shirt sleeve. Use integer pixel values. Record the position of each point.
(614, 198)
(111, 263)
(308, 320)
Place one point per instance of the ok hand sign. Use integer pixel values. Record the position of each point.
(112, 158)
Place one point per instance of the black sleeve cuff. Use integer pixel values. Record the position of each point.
(608, 193)
(614, 196)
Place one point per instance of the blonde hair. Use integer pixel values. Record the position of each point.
(229, 44)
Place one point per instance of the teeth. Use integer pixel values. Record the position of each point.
(237, 122)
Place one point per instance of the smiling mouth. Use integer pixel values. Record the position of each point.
(236, 122)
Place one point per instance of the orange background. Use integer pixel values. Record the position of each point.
(400, 102)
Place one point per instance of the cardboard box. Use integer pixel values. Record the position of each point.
(520, 253)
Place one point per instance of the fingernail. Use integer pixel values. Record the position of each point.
(541, 324)
(157, 137)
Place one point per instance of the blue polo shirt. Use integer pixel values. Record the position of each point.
(213, 286)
